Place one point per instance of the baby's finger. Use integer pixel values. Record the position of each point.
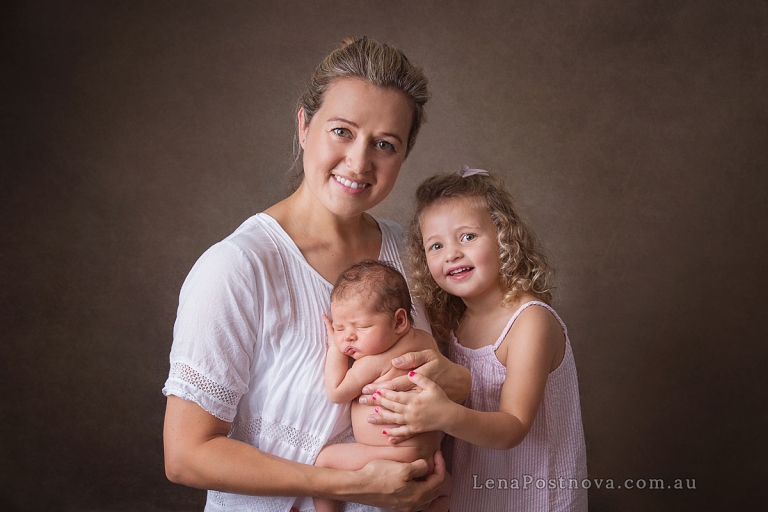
(328, 326)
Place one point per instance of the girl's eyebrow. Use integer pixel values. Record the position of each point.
(355, 125)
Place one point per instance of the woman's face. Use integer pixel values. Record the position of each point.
(354, 145)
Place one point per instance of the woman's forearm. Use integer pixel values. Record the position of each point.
(199, 454)
(456, 382)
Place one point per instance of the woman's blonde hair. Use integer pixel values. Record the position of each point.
(376, 63)
(523, 266)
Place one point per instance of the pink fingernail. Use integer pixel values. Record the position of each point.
(378, 392)
(376, 409)
(411, 374)
(384, 432)
(373, 397)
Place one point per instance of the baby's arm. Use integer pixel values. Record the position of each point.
(531, 346)
(342, 383)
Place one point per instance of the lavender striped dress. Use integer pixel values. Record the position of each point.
(545, 472)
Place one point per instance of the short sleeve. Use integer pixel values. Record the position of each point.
(215, 332)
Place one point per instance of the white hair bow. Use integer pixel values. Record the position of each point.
(466, 171)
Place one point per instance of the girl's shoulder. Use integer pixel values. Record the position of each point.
(535, 326)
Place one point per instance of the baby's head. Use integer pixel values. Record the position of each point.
(521, 265)
(370, 308)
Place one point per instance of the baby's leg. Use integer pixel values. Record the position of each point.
(354, 456)
(325, 505)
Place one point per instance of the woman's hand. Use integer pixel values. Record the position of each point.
(425, 409)
(453, 378)
(401, 486)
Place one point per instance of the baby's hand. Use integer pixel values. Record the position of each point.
(425, 410)
(328, 330)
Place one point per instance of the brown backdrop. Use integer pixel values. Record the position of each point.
(634, 135)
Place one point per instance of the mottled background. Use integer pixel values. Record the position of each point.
(634, 135)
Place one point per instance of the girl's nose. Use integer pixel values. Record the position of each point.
(453, 253)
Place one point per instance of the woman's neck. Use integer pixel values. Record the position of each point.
(329, 243)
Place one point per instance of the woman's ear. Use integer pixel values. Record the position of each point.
(401, 321)
(303, 125)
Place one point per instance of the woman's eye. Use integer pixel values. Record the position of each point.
(468, 237)
(385, 146)
(341, 132)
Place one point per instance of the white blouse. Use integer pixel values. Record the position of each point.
(249, 347)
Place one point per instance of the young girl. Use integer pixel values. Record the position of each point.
(519, 437)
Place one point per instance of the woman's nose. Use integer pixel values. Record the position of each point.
(358, 157)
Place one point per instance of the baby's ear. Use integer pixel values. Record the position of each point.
(401, 321)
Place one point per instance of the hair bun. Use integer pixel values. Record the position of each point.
(348, 41)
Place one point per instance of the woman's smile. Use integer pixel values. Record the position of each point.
(351, 186)
(354, 145)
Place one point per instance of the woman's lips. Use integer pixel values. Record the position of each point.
(350, 186)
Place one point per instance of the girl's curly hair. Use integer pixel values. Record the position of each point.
(523, 266)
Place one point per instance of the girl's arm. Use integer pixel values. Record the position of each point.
(199, 454)
(531, 346)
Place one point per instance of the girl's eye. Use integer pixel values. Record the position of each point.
(385, 146)
(341, 132)
(468, 237)
(435, 247)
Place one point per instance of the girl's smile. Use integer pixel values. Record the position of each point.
(462, 252)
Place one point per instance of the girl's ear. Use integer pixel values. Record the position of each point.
(401, 321)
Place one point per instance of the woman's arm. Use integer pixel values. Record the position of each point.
(452, 378)
(199, 454)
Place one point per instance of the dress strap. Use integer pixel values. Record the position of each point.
(520, 310)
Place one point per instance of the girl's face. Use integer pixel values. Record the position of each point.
(462, 252)
(354, 145)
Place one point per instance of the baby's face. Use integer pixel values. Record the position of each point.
(359, 330)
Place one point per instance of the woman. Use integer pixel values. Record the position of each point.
(247, 412)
